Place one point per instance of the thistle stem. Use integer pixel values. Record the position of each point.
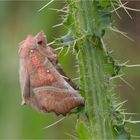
(90, 18)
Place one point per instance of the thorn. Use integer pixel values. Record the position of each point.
(127, 83)
(133, 136)
(103, 44)
(77, 54)
(50, 43)
(122, 33)
(115, 9)
(74, 79)
(125, 113)
(57, 25)
(131, 66)
(74, 137)
(59, 48)
(133, 122)
(60, 51)
(131, 9)
(58, 10)
(121, 104)
(123, 64)
(120, 6)
(68, 49)
(73, 46)
(125, 9)
(54, 123)
(45, 5)
(116, 130)
(117, 76)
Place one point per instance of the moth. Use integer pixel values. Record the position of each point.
(44, 84)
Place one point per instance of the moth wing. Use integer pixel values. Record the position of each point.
(59, 101)
(24, 82)
(64, 75)
(52, 57)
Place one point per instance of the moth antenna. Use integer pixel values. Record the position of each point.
(54, 123)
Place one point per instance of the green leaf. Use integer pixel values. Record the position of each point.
(104, 3)
(102, 18)
(67, 39)
(82, 130)
(122, 133)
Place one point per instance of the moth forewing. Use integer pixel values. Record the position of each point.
(59, 78)
(24, 82)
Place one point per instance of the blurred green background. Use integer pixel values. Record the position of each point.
(20, 18)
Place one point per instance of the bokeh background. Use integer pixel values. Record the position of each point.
(20, 18)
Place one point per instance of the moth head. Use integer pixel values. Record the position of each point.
(41, 39)
(25, 46)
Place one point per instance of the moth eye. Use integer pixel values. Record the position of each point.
(40, 42)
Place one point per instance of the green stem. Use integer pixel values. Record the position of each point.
(87, 21)
(92, 83)
(92, 77)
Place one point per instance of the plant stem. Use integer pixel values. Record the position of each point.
(92, 76)
(89, 19)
